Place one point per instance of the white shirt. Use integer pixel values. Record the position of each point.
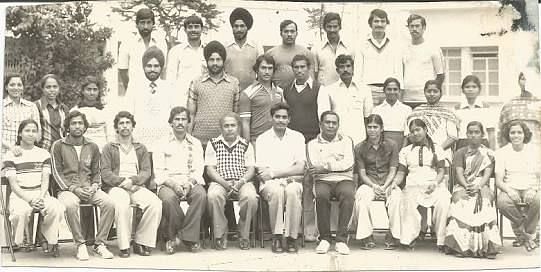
(466, 113)
(184, 64)
(395, 117)
(376, 61)
(323, 98)
(421, 63)
(521, 169)
(128, 164)
(352, 104)
(279, 154)
(324, 57)
(130, 54)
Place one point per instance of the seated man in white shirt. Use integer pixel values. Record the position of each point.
(229, 161)
(280, 164)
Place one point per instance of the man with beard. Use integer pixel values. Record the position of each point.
(379, 57)
(185, 61)
(242, 52)
(422, 61)
(212, 95)
(125, 172)
(151, 100)
(178, 162)
(325, 53)
(76, 170)
(132, 49)
(284, 53)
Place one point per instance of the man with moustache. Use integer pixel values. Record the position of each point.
(422, 61)
(257, 100)
(242, 52)
(284, 53)
(132, 49)
(212, 95)
(185, 61)
(325, 53)
(76, 170)
(379, 56)
(125, 171)
(178, 164)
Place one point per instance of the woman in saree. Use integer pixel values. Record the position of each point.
(472, 229)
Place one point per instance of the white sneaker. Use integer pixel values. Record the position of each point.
(323, 247)
(103, 252)
(342, 248)
(82, 253)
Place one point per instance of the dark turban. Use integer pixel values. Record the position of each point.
(144, 13)
(214, 47)
(241, 14)
(153, 52)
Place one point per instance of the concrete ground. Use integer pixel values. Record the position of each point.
(424, 257)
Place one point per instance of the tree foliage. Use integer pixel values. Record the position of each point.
(315, 19)
(58, 39)
(170, 14)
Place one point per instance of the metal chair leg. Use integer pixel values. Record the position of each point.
(7, 226)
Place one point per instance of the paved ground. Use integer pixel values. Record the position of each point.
(424, 257)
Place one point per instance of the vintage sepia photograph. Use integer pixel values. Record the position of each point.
(249, 135)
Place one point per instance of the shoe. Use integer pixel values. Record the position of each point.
(192, 246)
(170, 247)
(45, 247)
(342, 248)
(277, 244)
(141, 250)
(292, 245)
(54, 250)
(518, 242)
(221, 243)
(82, 253)
(368, 243)
(124, 253)
(244, 244)
(103, 251)
(323, 247)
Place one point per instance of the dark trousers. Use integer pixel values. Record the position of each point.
(174, 222)
(344, 191)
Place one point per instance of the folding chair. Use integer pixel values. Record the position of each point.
(8, 230)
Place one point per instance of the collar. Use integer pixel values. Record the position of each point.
(188, 138)
(309, 82)
(67, 140)
(248, 42)
(322, 140)
(8, 100)
(45, 103)
(186, 44)
(342, 83)
(225, 77)
(139, 38)
(116, 142)
(286, 133)
(386, 104)
(377, 44)
(465, 105)
(328, 43)
(222, 139)
(424, 143)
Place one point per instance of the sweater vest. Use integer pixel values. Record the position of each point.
(230, 160)
(303, 108)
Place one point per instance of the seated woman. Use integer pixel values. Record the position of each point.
(472, 229)
(376, 159)
(518, 172)
(28, 176)
(424, 163)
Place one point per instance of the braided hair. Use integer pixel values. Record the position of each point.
(420, 123)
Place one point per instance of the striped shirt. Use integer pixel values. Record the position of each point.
(29, 167)
(255, 104)
(13, 114)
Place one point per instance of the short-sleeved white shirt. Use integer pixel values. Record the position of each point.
(521, 169)
(421, 62)
(418, 175)
(395, 117)
(278, 154)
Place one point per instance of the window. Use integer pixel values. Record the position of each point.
(479, 61)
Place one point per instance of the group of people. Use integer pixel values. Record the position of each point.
(294, 128)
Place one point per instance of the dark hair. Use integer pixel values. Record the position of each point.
(192, 19)
(525, 129)
(300, 57)
(432, 82)
(87, 80)
(330, 16)
(73, 114)
(285, 23)
(22, 125)
(390, 80)
(268, 59)
(8, 78)
(123, 114)
(144, 13)
(230, 114)
(279, 106)
(342, 58)
(414, 17)
(422, 124)
(328, 112)
(471, 78)
(178, 110)
(374, 118)
(478, 124)
(378, 13)
(44, 79)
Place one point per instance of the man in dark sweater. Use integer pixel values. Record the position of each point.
(305, 99)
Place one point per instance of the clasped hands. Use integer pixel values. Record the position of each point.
(86, 193)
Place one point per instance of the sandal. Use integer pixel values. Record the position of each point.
(530, 245)
(45, 247)
(244, 244)
(518, 242)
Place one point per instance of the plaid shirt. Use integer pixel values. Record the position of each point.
(48, 122)
(13, 114)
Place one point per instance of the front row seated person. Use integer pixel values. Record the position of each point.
(230, 161)
(76, 170)
(329, 159)
(178, 165)
(28, 176)
(376, 159)
(280, 154)
(423, 161)
(125, 171)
